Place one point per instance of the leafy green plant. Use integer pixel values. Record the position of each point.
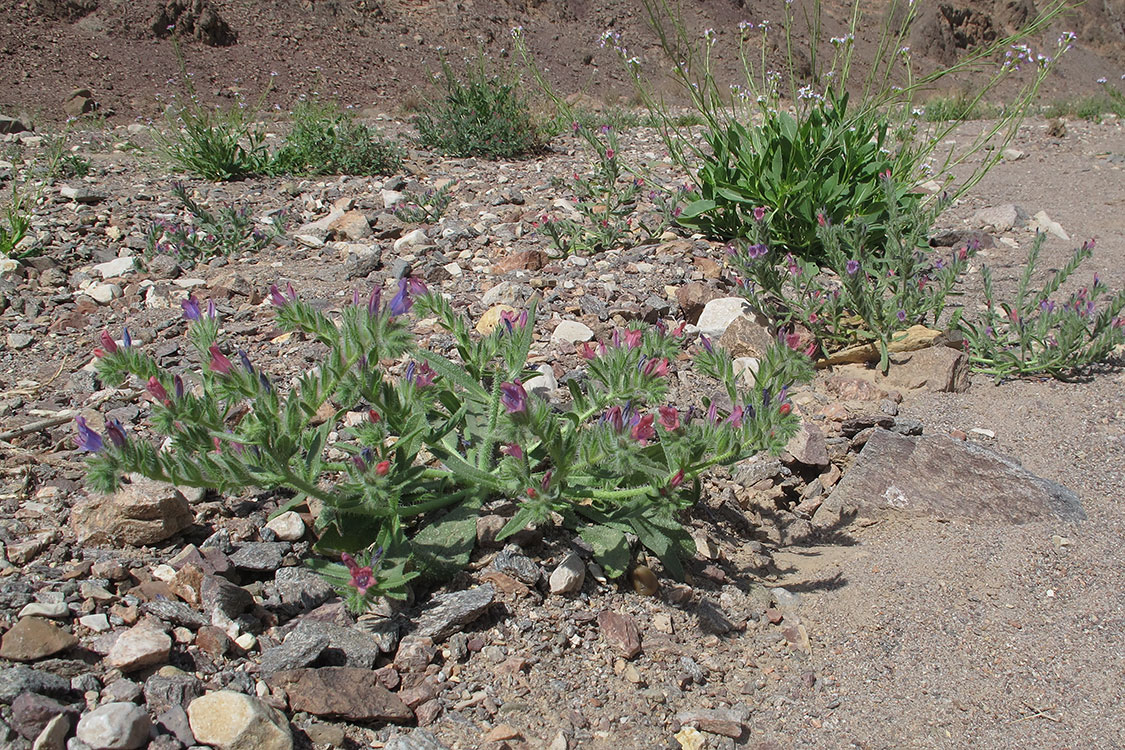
(825, 156)
(18, 222)
(1039, 335)
(424, 208)
(325, 140)
(1092, 108)
(483, 115)
(867, 291)
(958, 107)
(440, 433)
(605, 202)
(208, 233)
(62, 163)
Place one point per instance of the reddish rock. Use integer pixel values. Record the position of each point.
(525, 260)
(341, 692)
(34, 638)
(620, 632)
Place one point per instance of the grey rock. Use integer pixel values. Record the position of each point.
(18, 341)
(300, 648)
(217, 594)
(176, 613)
(122, 690)
(302, 587)
(418, 739)
(13, 125)
(260, 557)
(756, 468)
(82, 194)
(512, 561)
(1000, 218)
(451, 612)
(174, 690)
(568, 577)
(807, 446)
(31, 712)
(115, 726)
(729, 722)
(21, 679)
(938, 475)
(175, 722)
(347, 646)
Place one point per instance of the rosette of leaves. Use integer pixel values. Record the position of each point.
(444, 433)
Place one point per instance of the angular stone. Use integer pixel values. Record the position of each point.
(571, 331)
(288, 526)
(450, 612)
(692, 298)
(260, 557)
(53, 736)
(729, 722)
(32, 712)
(217, 594)
(82, 194)
(115, 726)
(175, 690)
(747, 336)
(353, 225)
(341, 693)
(144, 512)
(347, 646)
(524, 260)
(116, 267)
(302, 587)
(143, 645)
(938, 475)
(491, 318)
(1041, 222)
(938, 369)
(34, 638)
(568, 577)
(514, 562)
(176, 613)
(620, 632)
(234, 721)
(300, 649)
(913, 338)
(1000, 218)
(719, 314)
(807, 446)
(21, 679)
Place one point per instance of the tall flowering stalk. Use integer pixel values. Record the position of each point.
(441, 433)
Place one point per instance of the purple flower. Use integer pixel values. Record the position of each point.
(191, 309)
(712, 412)
(735, 418)
(852, 267)
(401, 303)
(614, 416)
(901, 315)
(88, 439)
(374, 300)
(513, 397)
(178, 386)
(511, 320)
(115, 432)
(362, 578)
(245, 359)
(421, 377)
(759, 213)
(219, 362)
(212, 313)
(127, 340)
(706, 344)
(277, 299)
(513, 450)
(756, 251)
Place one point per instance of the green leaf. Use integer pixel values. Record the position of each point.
(696, 208)
(611, 548)
(443, 548)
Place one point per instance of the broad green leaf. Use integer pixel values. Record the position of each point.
(443, 548)
(611, 549)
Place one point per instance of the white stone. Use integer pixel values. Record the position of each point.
(309, 240)
(543, 384)
(53, 736)
(7, 265)
(453, 269)
(288, 526)
(233, 721)
(1012, 154)
(103, 294)
(115, 267)
(747, 367)
(412, 240)
(568, 577)
(115, 726)
(391, 198)
(98, 623)
(571, 331)
(1000, 218)
(506, 293)
(246, 641)
(718, 314)
(139, 647)
(1043, 223)
(163, 572)
(53, 610)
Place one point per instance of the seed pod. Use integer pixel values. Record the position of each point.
(644, 581)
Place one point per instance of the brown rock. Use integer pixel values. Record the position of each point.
(34, 638)
(745, 337)
(80, 102)
(729, 722)
(414, 654)
(709, 268)
(341, 692)
(428, 712)
(938, 475)
(620, 632)
(353, 225)
(491, 318)
(913, 338)
(937, 369)
(692, 298)
(525, 260)
(141, 513)
(853, 389)
(501, 732)
(807, 446)
(144, 645)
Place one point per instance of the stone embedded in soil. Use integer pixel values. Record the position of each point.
(568, 577)
(514, 562)
(300, 649)
(34, 638)
(945, 477)
(170, 688)
(234, 721)
(302, 587)
(1001, 218)
(449, 613)
(571, 331)
(259, 557)
(729, 722)
(347, 646)
(288, 526)
(144, 512)
(115, 726)
(620, 632)
(341, 693)
(143, 645)
(491, 318)
(719, 314)
(217, 594)
(32, 712)
(747, 336)
(419, 739)
(807, 446)
(21, 679)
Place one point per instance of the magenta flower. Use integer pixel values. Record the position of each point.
(362, 578)
(706, 343)
(735, 418)
(677, 479)
(88, 439)
(513, 397)
(513, 450)
(657, 368)
(643, 431)
(759, 213)
(277, 299)
(421, 377)
(633, 338)
(614, 416)
(610, 153)
(109, 346)
(402, 302)
(586, 350)
(157, 391)
(669, 418)
(512, 320)
(219, 362)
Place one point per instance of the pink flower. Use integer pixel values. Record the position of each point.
(362, 578)
(157, 391)
(657, 368)
(513, 450)
(633, 338)
(586, 350)
(643, 431)
(219, 362)
(759, 213)
(677, 479)
(109, 346)
(669, 418)
(382, 469)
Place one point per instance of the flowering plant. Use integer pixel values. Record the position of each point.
(1038, 335)
(401, 459)
(865, 291)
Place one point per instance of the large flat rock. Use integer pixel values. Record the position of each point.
(944, 477)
